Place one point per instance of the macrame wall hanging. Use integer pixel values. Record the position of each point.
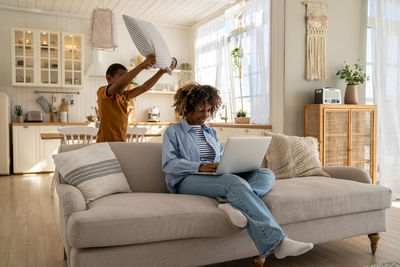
(317, 24)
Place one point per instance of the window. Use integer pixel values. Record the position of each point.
(391, 45)
(247, 29)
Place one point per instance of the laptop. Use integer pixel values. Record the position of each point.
(241, 154)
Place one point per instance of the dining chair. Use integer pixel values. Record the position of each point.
(135, 134)
(78, 134)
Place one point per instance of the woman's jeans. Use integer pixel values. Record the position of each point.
(244, 191)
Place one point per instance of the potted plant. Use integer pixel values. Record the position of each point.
(241, 117)
(18, 111)
(354, 76)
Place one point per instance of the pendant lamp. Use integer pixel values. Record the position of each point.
(102, 29)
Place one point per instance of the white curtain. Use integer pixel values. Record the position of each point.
(213, 62)
(258, 43)
(384, 47)
(210, 57)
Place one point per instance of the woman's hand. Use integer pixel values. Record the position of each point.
(211, 167)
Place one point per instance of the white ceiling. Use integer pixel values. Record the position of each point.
(170, 12)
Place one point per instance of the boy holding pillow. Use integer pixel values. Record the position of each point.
(113, 98)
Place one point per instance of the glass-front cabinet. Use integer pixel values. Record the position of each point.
(47, 58)
(23, 57)
(72, 60)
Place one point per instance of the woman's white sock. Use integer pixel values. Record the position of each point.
(236, 217)
(288, 247)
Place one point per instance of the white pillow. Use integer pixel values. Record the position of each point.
(93, 169)
(293, 156)
(149, 40)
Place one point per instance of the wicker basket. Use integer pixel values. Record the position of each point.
(242, 120)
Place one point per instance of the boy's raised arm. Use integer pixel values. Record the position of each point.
(129, 76)
(149, 83)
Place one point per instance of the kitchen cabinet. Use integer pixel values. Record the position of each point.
(73, 54)
(30, 153)
(47, 58)
(49, 64)
(24, 57)
(48, 148)
(26, 149)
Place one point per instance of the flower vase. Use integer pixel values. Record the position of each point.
(350, 96)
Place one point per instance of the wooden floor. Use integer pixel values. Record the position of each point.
(29, 233)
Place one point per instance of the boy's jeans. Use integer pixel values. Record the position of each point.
(244, 191)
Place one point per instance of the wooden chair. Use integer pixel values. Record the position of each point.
(78, 134)
(135, 134)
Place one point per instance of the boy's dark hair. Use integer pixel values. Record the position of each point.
(188, 97)
(112, 70)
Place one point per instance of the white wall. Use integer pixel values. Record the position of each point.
(345, 42)
(177, 40)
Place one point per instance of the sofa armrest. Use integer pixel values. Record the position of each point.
(71, 199)
(348, 173)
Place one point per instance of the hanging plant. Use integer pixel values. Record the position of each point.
(236, 63)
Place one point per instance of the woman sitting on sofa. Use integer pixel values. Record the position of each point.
(191, 146)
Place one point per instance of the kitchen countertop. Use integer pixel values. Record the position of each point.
(56, 136)
(83, 123)
(239, 125)
(229, 125)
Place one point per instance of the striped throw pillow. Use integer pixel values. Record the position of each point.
(148, 40)
(93, 169)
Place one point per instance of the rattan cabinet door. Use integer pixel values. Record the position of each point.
(362, 132)
(336, 137)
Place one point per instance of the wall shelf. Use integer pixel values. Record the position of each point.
(161, 92)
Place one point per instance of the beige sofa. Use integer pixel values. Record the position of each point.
(151, 227)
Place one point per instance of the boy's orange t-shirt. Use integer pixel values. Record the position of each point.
(113, 111)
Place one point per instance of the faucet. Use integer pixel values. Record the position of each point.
(225, 118)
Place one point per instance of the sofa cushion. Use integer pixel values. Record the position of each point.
(136, 218)
(293, 156)
(93, 169)
(307, 198)
(135, 166)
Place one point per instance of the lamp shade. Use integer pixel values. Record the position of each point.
(102, 29)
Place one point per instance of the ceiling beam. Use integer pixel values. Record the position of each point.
(77, 16)
(43, 12)
(228, 2)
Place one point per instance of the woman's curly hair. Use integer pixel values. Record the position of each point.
(187, 98)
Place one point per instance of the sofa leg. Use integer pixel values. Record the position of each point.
(374, 238)
(258, 261)
(65, 254)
